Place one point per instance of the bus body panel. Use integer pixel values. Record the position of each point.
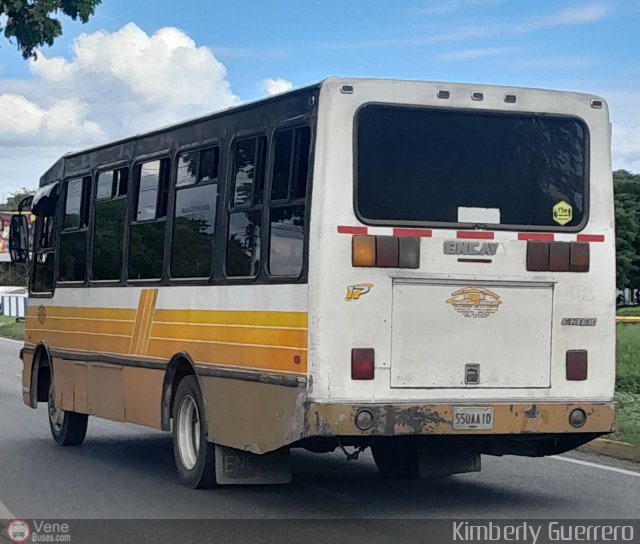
(341, 324)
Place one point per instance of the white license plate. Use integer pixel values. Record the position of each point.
(470, 418)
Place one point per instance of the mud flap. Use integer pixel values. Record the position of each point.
(237, 467)
(432, 464)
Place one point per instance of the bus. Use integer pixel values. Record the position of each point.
(425, 269)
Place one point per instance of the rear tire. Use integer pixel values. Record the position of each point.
(396, 458)
(194, 456)
(67, 428)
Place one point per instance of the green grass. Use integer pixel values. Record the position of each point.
(10, 329)
(629, 310)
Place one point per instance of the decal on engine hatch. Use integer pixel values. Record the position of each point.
(475, 302)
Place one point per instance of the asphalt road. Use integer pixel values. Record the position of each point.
(125, 471)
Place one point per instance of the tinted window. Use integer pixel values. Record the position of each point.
(287, 208)
(72, 261)
(106, 185)
(72, 210)
(243, 245)
(146, 255)
(248, 172)
(108, 226)
(148, 191)
(193, 230)
(72, 264)
(422, 165)
(147, 232)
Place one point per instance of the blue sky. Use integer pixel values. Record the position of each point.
(590, 46)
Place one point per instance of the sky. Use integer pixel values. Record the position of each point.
(142, 64)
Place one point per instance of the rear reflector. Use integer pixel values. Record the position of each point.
(409, 252)
(362, 363)
(557, 256)
(387, 251)
(537, 256)
(579, 257)
(364, 251)
(577, 365)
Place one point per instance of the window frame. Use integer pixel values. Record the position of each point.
(455, 224)
(132, 209)
(219, 181)
(229, 197)
(84, 227)
(289, 202)
(94, 202)
(49, 250)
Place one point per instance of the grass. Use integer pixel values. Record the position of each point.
(627, 381)
(629, 310)
(10, 329)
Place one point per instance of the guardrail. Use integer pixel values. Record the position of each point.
(14, 305)
(627, 319)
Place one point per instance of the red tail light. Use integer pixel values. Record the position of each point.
(387, 251)
(577, 365)
(362, 363)
(557, 256)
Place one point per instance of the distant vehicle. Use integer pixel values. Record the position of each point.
(422, 268)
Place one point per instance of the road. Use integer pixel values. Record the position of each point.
(125, 471)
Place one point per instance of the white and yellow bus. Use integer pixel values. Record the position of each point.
(426, 269)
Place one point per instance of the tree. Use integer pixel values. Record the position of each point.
(34, 23)
(627, 204)
(14, 198)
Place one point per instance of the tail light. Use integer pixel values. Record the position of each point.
(362, 363)
(557, 256)
(385, 251)
(577, 365)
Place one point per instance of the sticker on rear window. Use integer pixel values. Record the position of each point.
(562, 212)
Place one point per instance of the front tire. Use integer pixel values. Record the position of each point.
(67, 428)
(194, 456)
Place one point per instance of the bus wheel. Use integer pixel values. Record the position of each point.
(67, 428)
(194, 456)
(396, 458)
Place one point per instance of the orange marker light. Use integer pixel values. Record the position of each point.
(364, 250)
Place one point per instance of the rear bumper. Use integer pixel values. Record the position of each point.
(437, 419)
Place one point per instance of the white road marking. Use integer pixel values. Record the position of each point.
(596, 465)
(5, 513)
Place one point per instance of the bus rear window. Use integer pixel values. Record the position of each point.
(424, 166)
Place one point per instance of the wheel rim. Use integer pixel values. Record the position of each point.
(188, 432)
(56, 415)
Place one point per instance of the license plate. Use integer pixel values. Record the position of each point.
(470, 418)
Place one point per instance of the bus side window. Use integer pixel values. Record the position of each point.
(287, 204)
(146, 236)
(75, 227)
(43, 267)
(245, 213)
(109, 223)
(195, 213)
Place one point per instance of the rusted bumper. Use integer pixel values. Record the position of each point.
(437, 419)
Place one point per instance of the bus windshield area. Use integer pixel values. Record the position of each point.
(425, 166)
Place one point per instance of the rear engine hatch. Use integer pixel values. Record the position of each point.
(459, 335)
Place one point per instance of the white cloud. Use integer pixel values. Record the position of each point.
(586, 14)
(444, 7)
(470, 54)
(113, 84)
(626, 147)
(276, 86)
